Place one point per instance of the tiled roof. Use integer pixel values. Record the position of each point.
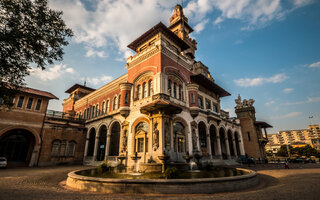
(38, 93)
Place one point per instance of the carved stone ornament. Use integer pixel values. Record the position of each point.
(124, 141)
(155, 141)
(194, 135)
(243, 104)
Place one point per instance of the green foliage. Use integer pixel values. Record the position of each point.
(103, 168)
(300, 151)
(171, 172)
(30, 34)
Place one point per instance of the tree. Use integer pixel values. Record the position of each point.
(30, 34)
(283, 151)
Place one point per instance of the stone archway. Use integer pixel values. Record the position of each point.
(92, 136)
(202, 130)
(17, 145)
(237, 141)
(101, 148)
(213, 140)
(230, 141)
(223, 143)
(114, 139)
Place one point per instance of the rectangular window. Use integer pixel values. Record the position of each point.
(200, 102)
(38, 106)
(249, 138)
(175, 90)
(71, 148)
(63, 148)
(20, 102)
(180, 92)
(30, 101)
(0, 100)
(169, 87)
(208, 104)
(215, 109)
(140, 145)
(192, 98)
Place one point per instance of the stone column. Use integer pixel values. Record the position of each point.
(219, 152)
(234, 146)
(208, 143)
(86, 148)
(96, 145)
(107, 146)
(227, 146)
(34, 156)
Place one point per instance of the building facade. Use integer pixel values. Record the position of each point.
(168, 104)
(293, 137)
(32, 136)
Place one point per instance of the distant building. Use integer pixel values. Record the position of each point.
(294, 137)
(30, 135)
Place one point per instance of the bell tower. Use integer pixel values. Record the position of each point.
(179, 25)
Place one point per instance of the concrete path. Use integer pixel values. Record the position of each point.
(303, 182)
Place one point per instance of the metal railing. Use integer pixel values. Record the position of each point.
(61, 115)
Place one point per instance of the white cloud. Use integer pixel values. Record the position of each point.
(99, 80)
(199, 27)
(51, 73)
(269, 103)
(315, 65)
(93, 53)
(308, 100)
(249, 82)
(107, 23)
(287, 90)
(289, 115)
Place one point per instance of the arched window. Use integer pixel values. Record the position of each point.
(200, 102)
(169, 87)
(114, 103)
(103, 108)
(138, 92)
(141, 140)
(93, 111)
(71, 148)
(107, 106)
(97, 110)
(180, 138)
(119, 99)
(175, 90)
(144, 90)
(55, 148)
(180, 92)
(150, 88)
(63, 147)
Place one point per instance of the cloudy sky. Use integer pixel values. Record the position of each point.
(268, 50)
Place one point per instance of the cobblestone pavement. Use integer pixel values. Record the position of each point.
(43, 183)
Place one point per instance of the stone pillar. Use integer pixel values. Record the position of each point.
(108, 145)
(34, 156)
(234, 146)
(242, 151)
(96, 143)
(219, 152)
(208, 143)
(227, 146)
(86, 148)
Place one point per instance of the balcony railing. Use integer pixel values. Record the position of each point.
(62, 116)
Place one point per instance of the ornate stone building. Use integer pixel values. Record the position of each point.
(30, 135)
(167, 104)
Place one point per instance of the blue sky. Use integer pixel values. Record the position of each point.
(268, 50)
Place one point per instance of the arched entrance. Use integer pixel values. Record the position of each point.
(92, 136)
(102, 143)
(17, 145)
(236, 137)
(223, 143)
(202, 130)
(213, 140)
(114, 140)
(230, 143)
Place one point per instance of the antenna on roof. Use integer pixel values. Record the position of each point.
(85, 81)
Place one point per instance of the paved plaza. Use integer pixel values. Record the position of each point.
(301, 181)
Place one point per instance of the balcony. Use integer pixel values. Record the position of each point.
(61, 116)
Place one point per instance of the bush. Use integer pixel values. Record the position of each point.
(171, 172)
(103, 168)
